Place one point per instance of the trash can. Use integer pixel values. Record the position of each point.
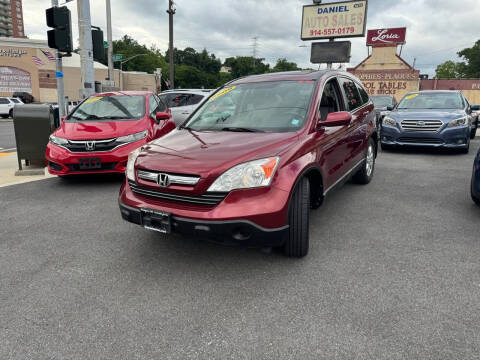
(33, 124)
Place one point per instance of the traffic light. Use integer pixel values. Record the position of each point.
(97, 45)
(60, 37)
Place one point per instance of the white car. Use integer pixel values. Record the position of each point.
(183, 102)
(6, 106)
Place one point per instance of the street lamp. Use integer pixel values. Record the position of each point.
(121, 67)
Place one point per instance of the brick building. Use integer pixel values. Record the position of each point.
(11, 19)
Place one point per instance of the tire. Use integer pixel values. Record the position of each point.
(473, 133)
(386, 147)
(10, 114)
(365, 174)
(475, 199)
(4, 116)
(298, 218)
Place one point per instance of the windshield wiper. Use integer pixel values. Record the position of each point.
(240, 129)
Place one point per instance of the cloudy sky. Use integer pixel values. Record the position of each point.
(436, 29)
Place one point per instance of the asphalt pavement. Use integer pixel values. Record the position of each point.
(7, 135)
(393, 273)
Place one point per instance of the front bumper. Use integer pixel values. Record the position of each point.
(456, 137)
(253, 219)
(64, 162)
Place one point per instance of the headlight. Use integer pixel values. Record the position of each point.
(458, 122)
(387, 120)
(251, 174)
(132, 157)
(57, 140)
(133, 137)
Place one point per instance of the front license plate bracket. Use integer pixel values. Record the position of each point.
(157, 220)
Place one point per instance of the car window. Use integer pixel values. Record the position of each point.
(194, 99)
(352, 96)
(152, 104)
(161, 104)
(4, 101)
(118, 107)
(270, 106)
(363, 94)
(176, 99)
(15, 101)
(331, 99)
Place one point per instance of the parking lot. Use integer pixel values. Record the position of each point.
(392, 273)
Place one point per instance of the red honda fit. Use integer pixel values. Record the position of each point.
(98, 135)
(250, 162)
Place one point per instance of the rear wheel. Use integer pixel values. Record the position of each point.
(10, 114)
(298, 219)
(4, 116)
(365, 174)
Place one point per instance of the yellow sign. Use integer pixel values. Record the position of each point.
(222, 92)
(334, 20)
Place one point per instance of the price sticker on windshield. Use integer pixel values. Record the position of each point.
(93, 99)
(222, 92)
(411, 96)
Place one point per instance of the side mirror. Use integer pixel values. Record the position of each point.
(390, 107)
(475, 107)
(340, 118)
(161, 115)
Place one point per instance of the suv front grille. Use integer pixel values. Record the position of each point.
(80, 146)
(421, 125)
(205, 199)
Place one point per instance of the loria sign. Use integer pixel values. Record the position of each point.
(334, 20)
(393, 36)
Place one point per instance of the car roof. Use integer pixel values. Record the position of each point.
(299, 75)
(127, 93)
(435, 91)
(193, 91)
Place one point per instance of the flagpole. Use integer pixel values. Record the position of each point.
(59, 76)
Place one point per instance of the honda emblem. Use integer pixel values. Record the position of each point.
(163, 180)
(89, 145)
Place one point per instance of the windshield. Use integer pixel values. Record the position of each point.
(382, 101)
(276, 106)
(431, 100)
(115, 107)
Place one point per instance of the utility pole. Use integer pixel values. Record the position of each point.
(86, 47)
(254, 50)
(60, 89)
(171, 12)
(109, 40)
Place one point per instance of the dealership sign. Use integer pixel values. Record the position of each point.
(334, 20)
(10, 52)
(393, 36)
(389, 82)
(13, 79)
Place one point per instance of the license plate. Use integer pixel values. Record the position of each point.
(157, 221)
(89, 163)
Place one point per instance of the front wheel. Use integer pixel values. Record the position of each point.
(475, 199)
(298, 218)
(365, 174)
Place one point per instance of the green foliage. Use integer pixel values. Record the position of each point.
(246, 65)
(284, 65)
(462, 69)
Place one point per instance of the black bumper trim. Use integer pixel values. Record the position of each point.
(226, 232)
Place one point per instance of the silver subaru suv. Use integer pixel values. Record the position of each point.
(183, 102)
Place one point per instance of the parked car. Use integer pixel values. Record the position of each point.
(246, 171)
(25, 97)
(98, 134)
(475, 119)
(383, 105)
(6, 106)
(475, 183)
(429, 118)
(183, 102)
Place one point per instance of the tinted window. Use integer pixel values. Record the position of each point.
(363, 93)
(352, 96)
(4, 101)
(273, 106)
(331, 99)
(15, 101)
(194, 99)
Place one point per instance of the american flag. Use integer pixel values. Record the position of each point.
(37, 61)
(49, 55)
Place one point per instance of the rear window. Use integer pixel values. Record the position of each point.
(4, 101)
(15, 101)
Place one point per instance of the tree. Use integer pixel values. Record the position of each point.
(472, 56)
(450, 70)
(246, 65)
(284, 65)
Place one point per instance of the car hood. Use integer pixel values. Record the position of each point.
(209, 154)
(427, 114)
(96, 130)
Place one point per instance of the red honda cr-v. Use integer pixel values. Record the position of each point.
(98, 135)
(247, 165)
